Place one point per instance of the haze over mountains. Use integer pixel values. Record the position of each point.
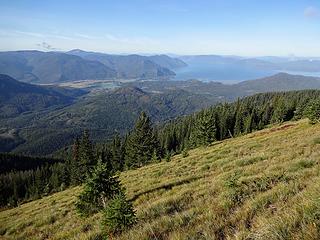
(56, 67)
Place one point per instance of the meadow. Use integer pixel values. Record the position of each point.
(264, 185)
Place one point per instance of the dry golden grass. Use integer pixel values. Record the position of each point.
(265, 185)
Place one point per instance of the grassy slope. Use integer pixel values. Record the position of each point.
(264, 185)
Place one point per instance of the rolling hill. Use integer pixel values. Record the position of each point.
(264, 185)
(279, 82)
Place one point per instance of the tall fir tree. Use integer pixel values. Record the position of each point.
(141, 143)
(117, 154)
(74, 163)
(205, 129)
(86, 156)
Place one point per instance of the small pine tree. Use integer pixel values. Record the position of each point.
(99, 188)
(119, 215)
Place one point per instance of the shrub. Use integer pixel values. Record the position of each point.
(119, 215)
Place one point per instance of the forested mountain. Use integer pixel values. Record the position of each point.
(51, 67)
(279, 82)
(134, 66)
(103, 113)
(17, 97)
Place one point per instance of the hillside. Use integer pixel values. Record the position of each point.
(103, 113)
(278, 82)
(17, 97)
(264, 185)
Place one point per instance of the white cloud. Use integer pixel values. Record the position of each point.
(46, 46)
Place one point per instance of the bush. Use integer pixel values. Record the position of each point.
(119, 215)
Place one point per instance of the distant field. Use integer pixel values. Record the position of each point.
(265, 185)
(96, 84)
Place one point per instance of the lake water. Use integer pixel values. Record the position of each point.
(227, 73)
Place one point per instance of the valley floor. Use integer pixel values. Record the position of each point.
(264, 185)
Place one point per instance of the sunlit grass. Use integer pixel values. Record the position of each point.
(265, 185)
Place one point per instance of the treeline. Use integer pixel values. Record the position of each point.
(18, 186)
(227, 120)
(146, 143)
(13, 162)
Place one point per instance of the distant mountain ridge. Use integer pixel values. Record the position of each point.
(298, 64)
(134, 66)
(56, 67)
(51, 67)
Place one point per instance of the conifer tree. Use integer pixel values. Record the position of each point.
(117, 155)
(141, 143)
(99, 188)
(205, 129)
(313, 111)
(86, 156)
(74, 164)
(119, 215)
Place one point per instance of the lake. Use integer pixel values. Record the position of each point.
(227, 73)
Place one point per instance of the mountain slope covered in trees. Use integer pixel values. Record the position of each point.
(17, 97)
(261, 185)
(103, 113)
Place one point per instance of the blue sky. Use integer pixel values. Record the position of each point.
(239, 27)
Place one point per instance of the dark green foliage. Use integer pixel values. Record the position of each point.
(312, 111)
(17, 97)
(43, 133)
(141, 143)
(13, 162)
(232, 119)
(119, 215)
(86, 157)
(99, 188)
(18, 186)
(205, 129)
